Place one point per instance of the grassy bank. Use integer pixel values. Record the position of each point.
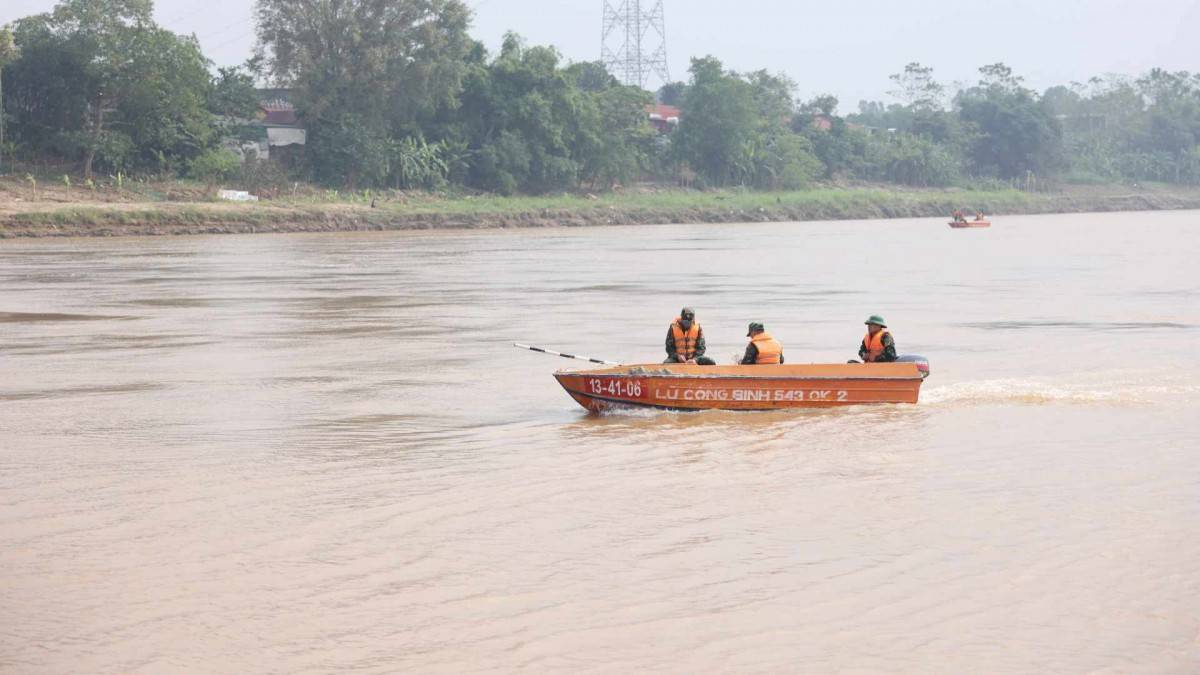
(186, 209)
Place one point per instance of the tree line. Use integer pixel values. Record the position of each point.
(397, 94)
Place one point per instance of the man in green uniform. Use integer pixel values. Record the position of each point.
(685, 340)
(877, 346)
(763, 349)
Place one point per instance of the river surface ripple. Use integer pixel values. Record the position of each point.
(320, 453)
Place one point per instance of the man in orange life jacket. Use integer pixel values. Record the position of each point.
(763, 348)
(685, 340)
(878, 345)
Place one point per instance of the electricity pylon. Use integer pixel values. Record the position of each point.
(634, 42)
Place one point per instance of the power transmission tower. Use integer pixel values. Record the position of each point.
(634, 41)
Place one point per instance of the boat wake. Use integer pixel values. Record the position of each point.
(1120, 391)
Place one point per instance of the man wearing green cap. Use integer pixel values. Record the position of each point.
(878, 345)
(685, 340)
(763, 349)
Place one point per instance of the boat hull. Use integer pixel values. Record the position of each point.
(766, 387)
(971, 223)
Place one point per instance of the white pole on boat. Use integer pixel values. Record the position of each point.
(565, 356)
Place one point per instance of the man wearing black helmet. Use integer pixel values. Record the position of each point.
(685, 340)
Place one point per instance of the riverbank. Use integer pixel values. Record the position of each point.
(174, 209)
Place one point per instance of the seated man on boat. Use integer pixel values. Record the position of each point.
(878, 345)
(763, 349)
(685, 340)
(959, 216)
(979, 217)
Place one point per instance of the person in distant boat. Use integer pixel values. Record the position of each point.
(979, 216)
(763, 349)
(959, 216)
(878, 345)
(685, 340)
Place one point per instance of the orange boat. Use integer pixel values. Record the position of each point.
(970, 223)
(764, 387)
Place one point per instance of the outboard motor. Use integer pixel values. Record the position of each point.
(921, 361)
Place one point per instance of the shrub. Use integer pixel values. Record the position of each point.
(214, 166)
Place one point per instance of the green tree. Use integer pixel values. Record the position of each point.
(721, 125)
(350, 150)
(1015, 135)
(613, 141)
(8, 54)
(591, 76)
(1173, 117)
(673, 93)
(233, 94)
(533, 126)
(917, 88)
(163, 103)
(736, 129)
(364, 71)
(1062, 101)
(879, 115)
(998, 77)
(233, 103)
(775, 97)
(98, 81)
(918, 161)
(825, 104)
(518, 113)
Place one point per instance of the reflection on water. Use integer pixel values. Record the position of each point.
(321, 453)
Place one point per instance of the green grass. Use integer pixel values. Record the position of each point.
(100, 216)
(678, 200)
(821, 203)
(328, 211)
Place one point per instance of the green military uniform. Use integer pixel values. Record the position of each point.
(889, 345)
(673, 353)
(889, 350)
(689, 314)
(750, 358)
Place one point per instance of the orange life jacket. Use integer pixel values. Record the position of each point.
(874, 344)
(685, 341)
(769, 350)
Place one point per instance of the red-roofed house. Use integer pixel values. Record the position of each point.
(664, 118)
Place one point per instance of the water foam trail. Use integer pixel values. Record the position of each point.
(1112, 388)
(1100, 389)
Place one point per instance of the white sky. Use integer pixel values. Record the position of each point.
(844, 48)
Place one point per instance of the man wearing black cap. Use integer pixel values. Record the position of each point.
(763, 349)
(685, 340)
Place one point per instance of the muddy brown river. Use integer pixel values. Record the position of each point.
(321, 453)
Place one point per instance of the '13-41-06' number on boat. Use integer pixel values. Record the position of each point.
(615, 387)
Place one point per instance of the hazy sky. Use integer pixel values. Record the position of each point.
(844, 48)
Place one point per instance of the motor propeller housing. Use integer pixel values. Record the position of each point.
(921, 361)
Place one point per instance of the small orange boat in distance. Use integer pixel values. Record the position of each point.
(970, 223)
(761, 387)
